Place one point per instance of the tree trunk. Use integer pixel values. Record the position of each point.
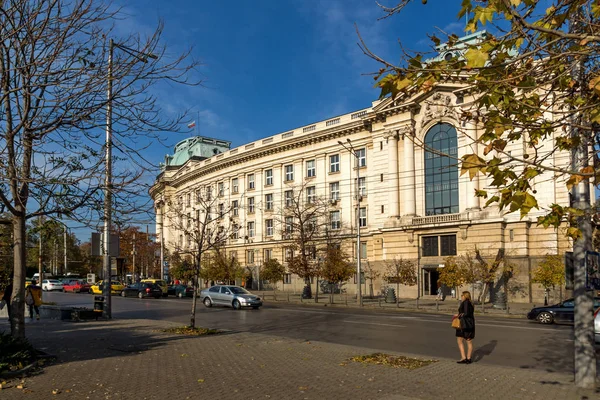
(398, 294)
(17, 304)
(371, 288)
(316, 289)
(194, 299)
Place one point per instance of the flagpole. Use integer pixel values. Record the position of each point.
(197, 121)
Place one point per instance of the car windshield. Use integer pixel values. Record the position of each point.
(238, 290)
(53, 281)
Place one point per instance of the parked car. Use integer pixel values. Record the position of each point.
(562, 312)
(115, 287)
(76, 286)
(49, 285)
(181, 291)
(163, 285)
(230, 296)
(142, 290)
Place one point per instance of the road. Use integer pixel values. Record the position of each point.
(499, 341)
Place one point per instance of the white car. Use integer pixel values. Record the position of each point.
(52, 284)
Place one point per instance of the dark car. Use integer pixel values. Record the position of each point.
(142, 290)
(180, 291)
(561, 313)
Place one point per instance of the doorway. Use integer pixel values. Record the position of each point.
(430, 280)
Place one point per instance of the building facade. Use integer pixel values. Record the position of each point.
(411, 200)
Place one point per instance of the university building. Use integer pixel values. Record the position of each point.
(413, 203)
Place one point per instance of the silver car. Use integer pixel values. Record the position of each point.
(597, 325)
(230, 296)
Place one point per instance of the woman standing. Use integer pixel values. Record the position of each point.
(466, 332)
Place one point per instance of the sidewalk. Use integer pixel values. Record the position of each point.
(134, 359)
(448, 306)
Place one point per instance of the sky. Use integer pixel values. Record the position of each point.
(269, 66)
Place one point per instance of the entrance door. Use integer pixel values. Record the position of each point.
(430, 278)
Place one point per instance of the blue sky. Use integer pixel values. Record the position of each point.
(273, 65)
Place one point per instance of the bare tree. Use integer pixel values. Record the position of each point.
(370, 274)
(53, 85)
(200, 232)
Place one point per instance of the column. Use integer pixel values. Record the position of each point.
(472, 202)
(408, 177)
(394, 190)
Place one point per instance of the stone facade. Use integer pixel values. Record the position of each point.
(400, 220)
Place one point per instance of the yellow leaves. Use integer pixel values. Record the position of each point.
(594, 84)
(476, 58)
(392, 361)
(550, 272)
(576, 179)
(515, 3)
(200, 380)
(472, 164)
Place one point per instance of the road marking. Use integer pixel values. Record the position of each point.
(373, 323)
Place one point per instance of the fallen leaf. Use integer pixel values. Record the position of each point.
(55, 391)
(200, 380)
(302, 387)
(19, 386)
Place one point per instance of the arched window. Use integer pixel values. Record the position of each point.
(441, 172)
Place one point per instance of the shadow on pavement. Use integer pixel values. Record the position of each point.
(484, 350)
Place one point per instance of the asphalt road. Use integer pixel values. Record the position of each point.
(498, 341)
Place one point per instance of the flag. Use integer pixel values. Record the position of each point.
(191, 124)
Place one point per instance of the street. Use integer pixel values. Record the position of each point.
(499, 341)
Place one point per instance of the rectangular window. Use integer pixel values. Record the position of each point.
(250, 229)
(361, 154)
(269, 202)
(362, 186)
(208, 193)
(198, 196)
(334, 163)
(334, 191)
(448, 245)
(235, 230)
(221, 210)
(268, 254)
(289, 224)
(180, 241)
(250, 181)
(311, 169)
(289, 198)
(334, 217)
(288, 254)
(250, 205)
(188, 240)
(430, 246)
(382, 209)
(287, 279)
(235, 186)
(250, 256)
(189, 199)
(233, 255)
(221, 187)
(189, 220)
(269, 227)
(311, 194)
(362, 217)
(289, 173)
(363, 250)
(269, 177)
(235, 208)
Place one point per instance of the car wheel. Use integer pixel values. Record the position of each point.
(123, 293)
(180, 295)
(236, 305)
(140, 295)
(207, 302)
(545, 318)
(255, 307)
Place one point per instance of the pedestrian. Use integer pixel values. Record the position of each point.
(6, 297)
(33, 298)
(440, 294)
(466, 333)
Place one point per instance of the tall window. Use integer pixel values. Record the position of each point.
(221, 189)
(250, 229)
(235, 207)
(221, 210)
(269, 227)
(235, 186)
(311, 169)
(269, 177)
(361, 154)
(250, 204)
(250, 256)
(441, 172)
(189, 199)
(334, 163)
(289, 224)
(311, 194)
(363, 250)
(268, 254)
(362, 186)
(289, 198)
(289, 173)
(362, 217)
(334, 191)
(334, 218)
(269, 201)
(251, 181)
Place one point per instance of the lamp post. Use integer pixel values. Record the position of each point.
(143, 57)
(358, 269)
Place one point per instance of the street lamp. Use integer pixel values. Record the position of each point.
(358, 269)
(143, 57)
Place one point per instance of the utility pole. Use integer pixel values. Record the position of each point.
(585, 353)
(40, 264)
(65, 240)
(133, 254)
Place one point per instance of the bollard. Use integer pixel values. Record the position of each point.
(437, 305)
(380, 302)
(288, 296)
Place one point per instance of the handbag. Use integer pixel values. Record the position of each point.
(456, 322)
(29, 298)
